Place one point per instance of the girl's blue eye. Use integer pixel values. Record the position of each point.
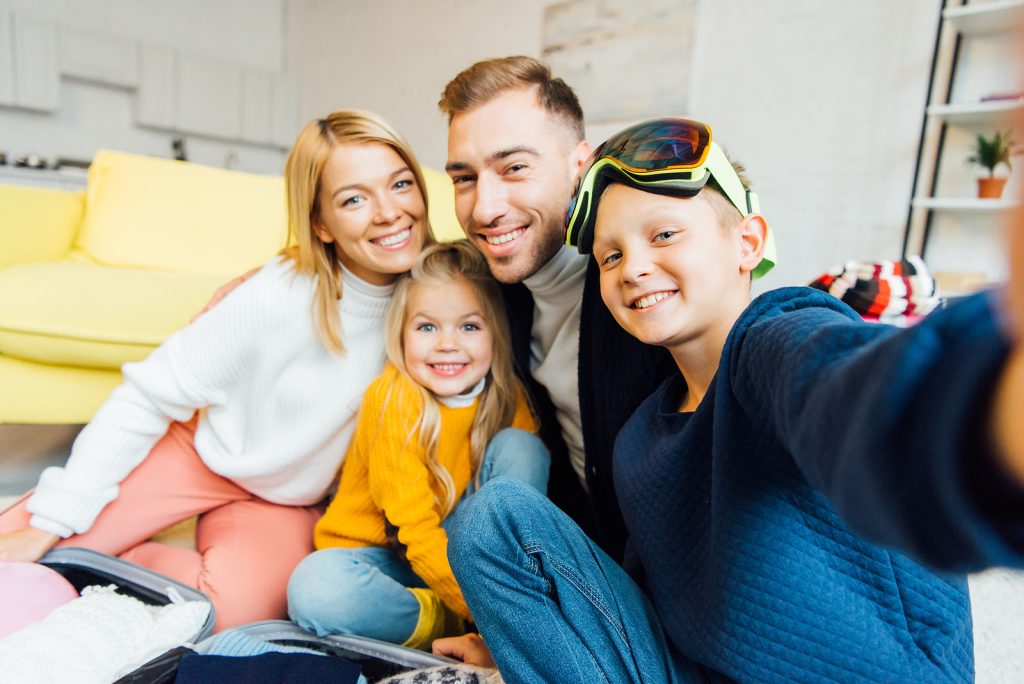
(426, 327)
(471, 327)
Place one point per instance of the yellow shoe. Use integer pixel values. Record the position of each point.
(436, 620)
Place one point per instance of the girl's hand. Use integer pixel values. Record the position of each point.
(469, 648)
(27, 545)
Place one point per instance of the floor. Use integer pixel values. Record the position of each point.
(26, 450)
(997, 596)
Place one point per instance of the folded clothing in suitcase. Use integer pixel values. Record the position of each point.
(125, 616)
(377, 659)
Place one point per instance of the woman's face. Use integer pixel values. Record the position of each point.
(372, 210)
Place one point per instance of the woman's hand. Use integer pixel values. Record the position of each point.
(27, 545)
(469, 648)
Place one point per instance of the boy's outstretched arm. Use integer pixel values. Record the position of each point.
(1008, 406)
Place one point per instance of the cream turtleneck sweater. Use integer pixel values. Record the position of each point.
(557, 290)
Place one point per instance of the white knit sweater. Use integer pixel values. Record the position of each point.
(277, 407)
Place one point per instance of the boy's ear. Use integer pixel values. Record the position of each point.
(753, 233)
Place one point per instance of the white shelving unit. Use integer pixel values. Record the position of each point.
(973, 59)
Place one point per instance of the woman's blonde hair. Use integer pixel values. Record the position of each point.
(302, 173)
(441, 264)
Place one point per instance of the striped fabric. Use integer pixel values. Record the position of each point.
(895, 292)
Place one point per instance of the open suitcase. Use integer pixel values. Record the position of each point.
(378, 659)
(83, 567)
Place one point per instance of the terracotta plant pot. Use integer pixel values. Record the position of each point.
(990, 188)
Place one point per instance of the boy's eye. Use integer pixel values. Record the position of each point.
(610, 258)
(664, 235)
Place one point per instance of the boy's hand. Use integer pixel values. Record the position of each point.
(469, 648)
(1008, 407)
(27, 545)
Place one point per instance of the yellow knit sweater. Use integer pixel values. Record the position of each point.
(386, 490)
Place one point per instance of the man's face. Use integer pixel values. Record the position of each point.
(513, 164)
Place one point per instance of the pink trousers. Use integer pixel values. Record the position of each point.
(246, 548)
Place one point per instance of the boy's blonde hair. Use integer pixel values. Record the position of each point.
(441, 264)
(302, 173)
(728, 215)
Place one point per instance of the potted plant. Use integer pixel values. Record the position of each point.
(988, 153)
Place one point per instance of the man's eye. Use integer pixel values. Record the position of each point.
(462, 180)
(515, 168)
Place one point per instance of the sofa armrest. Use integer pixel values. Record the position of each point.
(37, 224)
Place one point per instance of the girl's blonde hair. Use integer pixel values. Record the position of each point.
(302, 173)
(441, 264)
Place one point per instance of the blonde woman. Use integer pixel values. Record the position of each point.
(447, 415)
(243, 417)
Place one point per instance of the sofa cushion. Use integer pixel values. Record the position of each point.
(37, 224)
(149, 213)
(81, 314)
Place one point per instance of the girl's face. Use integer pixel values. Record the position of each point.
(372, 210)
(447, 340)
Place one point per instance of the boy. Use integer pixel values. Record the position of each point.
(750, 482)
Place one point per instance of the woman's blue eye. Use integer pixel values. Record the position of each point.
(403, 184)
(352, 201)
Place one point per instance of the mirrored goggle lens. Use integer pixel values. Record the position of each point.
(660, 144)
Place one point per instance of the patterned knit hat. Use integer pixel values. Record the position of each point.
(884, 291)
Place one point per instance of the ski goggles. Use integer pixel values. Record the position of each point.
(669, 156)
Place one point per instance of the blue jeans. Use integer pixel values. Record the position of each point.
(363, 590)
(550, 604)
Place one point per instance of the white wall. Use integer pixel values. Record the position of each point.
(395, 56)
(240, 36)
(823, 101)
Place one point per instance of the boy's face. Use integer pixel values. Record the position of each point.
(671, 275)
(512, 164)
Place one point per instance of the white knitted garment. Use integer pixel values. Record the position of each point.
(98, 637)
(277, 408)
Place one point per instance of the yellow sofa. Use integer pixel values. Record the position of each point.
(92, 279)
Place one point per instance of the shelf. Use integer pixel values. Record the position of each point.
(71, 179)
(964, 204)
(989, 17)
(998, 112)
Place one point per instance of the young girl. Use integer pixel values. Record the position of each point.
(782, 489)
(244, 416)
(446, 416)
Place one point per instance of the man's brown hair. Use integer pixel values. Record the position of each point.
(485, 80)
